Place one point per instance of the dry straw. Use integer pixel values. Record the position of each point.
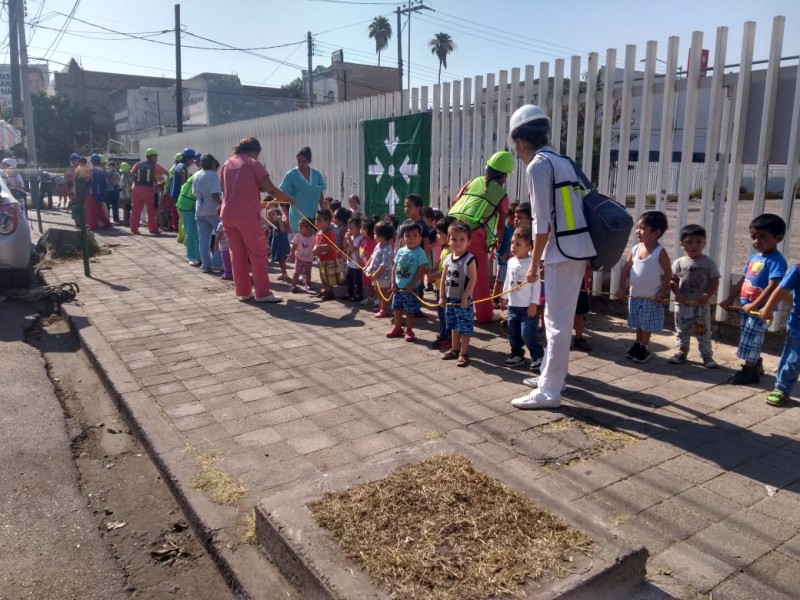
(442, 530)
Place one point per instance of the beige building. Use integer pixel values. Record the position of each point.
(347, 81)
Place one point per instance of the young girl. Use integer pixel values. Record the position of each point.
(365, 250)
(352, 241)
(221, 246)
(303, 255)
(379, 269)
(459, 275)
(278, 241)
(354, 202)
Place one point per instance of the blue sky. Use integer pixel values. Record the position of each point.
(488, 36)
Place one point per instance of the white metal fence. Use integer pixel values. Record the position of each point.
(470, 122)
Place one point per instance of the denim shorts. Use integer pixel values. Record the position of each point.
(460, 320)
(405, 302)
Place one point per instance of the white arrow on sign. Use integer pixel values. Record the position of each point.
(377, 169)
(392, 199)
(408, 170)
(392, 141)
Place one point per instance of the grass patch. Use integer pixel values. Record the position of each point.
(248, 522)
(442, 530)
(220, 487)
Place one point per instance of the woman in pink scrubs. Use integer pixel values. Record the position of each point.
(243, 179)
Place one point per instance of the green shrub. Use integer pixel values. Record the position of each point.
(696, 193)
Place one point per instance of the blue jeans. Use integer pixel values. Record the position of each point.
(206, 225)
(190, 233)
(789, 365)
(522, 332)
(444, 332)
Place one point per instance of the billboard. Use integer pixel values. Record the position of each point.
(38, 76)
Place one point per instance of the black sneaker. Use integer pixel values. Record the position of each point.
(760, 366)
(745, 376)
(633, 350)
(642, 355)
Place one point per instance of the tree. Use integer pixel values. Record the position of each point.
(381, 31)
(61, 129)
(441, 45)
(295, 85)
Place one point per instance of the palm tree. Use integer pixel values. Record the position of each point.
(381, 31)
(441, 45)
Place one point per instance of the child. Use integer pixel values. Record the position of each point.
(648, 269)
(459, 275)
(502, 253)
(61, 190)
(341, 216)
(444, 339)
(762, 274)
(325, 203)
(695, 278)
(522, 215)
(354, 202)
(352, 241)
(380, 266)
(581, 308)
(325, 249)
(221, 246)
(789, 364)
(522, 303)
(278, 241)
(125, 197)
(410, 267)
(303, 255)
(365, 250)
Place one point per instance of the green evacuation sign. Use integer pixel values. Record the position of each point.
(397, 155)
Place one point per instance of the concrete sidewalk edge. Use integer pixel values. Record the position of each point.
(241, 565)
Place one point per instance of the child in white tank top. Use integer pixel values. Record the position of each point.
(649, 270)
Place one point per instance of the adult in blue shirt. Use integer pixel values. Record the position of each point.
(305, 186)
(95, 201)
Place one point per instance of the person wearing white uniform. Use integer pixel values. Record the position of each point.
(560, 238)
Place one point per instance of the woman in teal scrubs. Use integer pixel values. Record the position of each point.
(305, 185)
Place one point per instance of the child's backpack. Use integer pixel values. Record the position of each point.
(608, 222)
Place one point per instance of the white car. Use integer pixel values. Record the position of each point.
(16, 270)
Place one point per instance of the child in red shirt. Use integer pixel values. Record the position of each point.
(327, 257)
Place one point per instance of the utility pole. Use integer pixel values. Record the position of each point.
(406, 11)
(14, 9)
(310, 78)
(178, 77)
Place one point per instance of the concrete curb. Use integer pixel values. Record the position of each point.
(241, 565)
(310, 558)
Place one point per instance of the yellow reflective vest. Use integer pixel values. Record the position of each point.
(477, 205)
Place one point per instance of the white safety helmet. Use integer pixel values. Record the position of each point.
(9, 163)
(526, 114)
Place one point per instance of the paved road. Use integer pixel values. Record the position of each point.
(284, 393)
(51, 547)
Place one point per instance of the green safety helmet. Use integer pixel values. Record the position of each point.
(124, 167)
(151, 152)
(103, 159)
(179, 156)
(501, 161)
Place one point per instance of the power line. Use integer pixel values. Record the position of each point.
(60, 35)
(355, 2)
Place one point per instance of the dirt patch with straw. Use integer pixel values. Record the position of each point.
(443, 530)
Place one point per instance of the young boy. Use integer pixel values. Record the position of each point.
(443, 339)
(789, 365)
(325, 249)
(341, 216)
(410, 266)
(648, 269)
(379, 267)
(763, 272)
(459, 276)
(581, 308)
(502, 253)
(522, 215)
(695, 279)
(522, 303)
(352, 241)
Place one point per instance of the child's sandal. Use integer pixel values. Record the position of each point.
(451, 354)
(777, 398)
(463, 360)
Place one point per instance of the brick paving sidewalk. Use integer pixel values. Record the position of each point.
(284, 392)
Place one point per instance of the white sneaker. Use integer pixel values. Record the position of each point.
(244, 298)
(534, 382)
(534, 401)
(272, 298)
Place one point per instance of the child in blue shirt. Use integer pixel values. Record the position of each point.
(762, 274)
(789, 365)
(410, 266)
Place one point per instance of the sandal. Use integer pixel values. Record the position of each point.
(463, 360)
(451, 354)
(777, 398)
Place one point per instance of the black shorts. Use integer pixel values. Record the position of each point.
(583, 300)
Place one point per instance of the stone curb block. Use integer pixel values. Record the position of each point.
(308, 556)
